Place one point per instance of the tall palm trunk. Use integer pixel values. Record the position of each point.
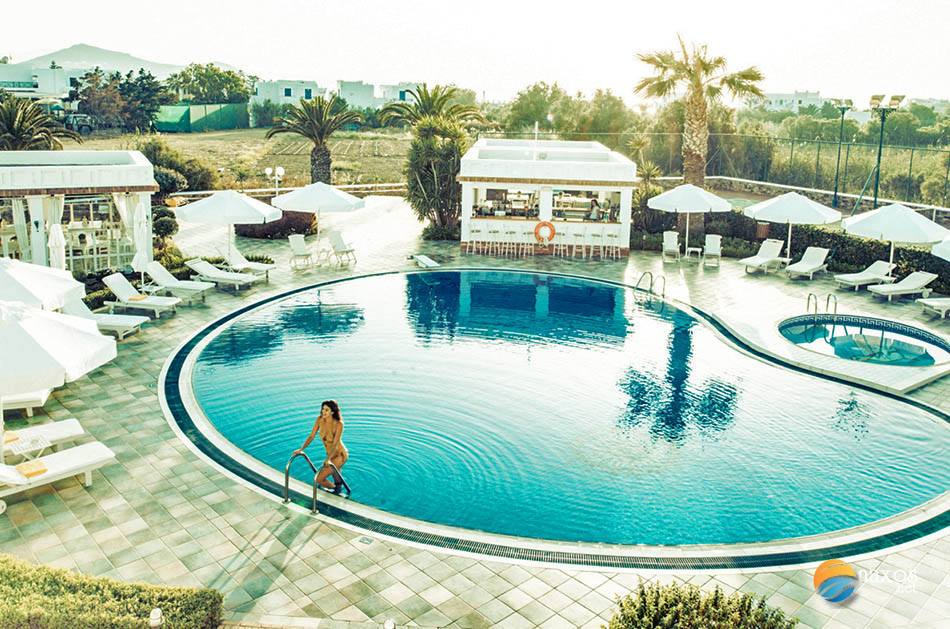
(320, 163)
(695, 147)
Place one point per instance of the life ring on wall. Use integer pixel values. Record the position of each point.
(542, 225)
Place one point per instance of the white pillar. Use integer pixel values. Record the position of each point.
(546, 210)
(626, 202)
(37, 230)
(468, 200)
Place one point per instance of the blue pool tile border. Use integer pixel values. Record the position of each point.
(170, 389)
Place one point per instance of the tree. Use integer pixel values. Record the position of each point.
(207, 83)
(316, 120)
(533, 104)
(438, 102)
(431, 170)
(26, 127)
(142, 96)
(704, 79)
(99, 97)
(924, 113)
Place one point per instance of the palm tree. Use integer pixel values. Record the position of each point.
(316, 120)
(704, 79)
(26, 127)
(438, 102)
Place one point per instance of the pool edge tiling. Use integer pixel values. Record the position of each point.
(918, 523)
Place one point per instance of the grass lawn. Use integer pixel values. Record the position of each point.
(358, 156)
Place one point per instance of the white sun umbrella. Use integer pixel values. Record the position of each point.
(688, 199)
(942, 249)
(143, 243)
(43, 350)
(228, 207)
(319, 198)
(36, 285)
(57, 247)
(895, 223)
(794, 209)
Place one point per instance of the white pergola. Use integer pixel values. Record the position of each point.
(541, 167)
(37, 184)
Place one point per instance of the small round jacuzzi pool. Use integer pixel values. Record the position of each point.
(866, 339)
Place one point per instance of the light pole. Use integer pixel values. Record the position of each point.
(843, 106)
(278, 174)
(882, 111)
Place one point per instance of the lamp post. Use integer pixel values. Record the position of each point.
(883, 111)
(278, 174)
(843, 107)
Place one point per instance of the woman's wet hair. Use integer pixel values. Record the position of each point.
(334, 409)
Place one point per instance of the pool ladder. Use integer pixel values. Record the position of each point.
(830, 300)
(337, 476)
(653, 282)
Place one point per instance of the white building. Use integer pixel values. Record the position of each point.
(36, 83)
(286, 92)
(790, 101)
(512, 188)
(95, 197)
(360, 95)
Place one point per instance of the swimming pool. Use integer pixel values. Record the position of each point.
(866, 339)
(564, 409)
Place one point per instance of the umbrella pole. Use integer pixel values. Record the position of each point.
(892, 257)
(2, 430)
(788, 245)
(687, 232)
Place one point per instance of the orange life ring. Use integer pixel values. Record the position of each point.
(540, 226)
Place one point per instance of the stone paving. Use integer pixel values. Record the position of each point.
(162, 515)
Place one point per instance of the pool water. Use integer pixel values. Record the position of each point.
(866, 339)
(560, 408)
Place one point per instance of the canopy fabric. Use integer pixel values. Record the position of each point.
(896, 223)
(793, 208)
(19, 226)
(228, 207)
(942, 249)
(141, 238)
(36, 285)
(57, 247)
(318, 198)
(688, 198)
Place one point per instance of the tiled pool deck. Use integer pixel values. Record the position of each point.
(163, 515)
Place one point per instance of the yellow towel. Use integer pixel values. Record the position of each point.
(31, 469)
(10, 436)
(137, 297)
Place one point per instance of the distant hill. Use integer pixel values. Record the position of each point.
(83, 56)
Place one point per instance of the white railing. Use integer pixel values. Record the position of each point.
(354, 188)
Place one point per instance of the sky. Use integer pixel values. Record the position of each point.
(842, 48)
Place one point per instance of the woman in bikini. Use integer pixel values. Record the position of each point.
(330, 426)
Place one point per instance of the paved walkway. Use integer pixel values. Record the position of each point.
(164, 516)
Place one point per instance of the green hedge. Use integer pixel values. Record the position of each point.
(40, 597)
(688, 607)
(847, 253)
(290, 223)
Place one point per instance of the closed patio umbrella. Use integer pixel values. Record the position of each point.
(895, 223)
(794, 209)
(36, 285)
(318, 198)
(228, 207)
(57, 247)
(688, 199)
(43, 350)
(142, 241)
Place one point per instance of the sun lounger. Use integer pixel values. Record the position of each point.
(939, 306)
(913, 284)
(712, 249)
(813, 261)
(75, 461)
(237, 262)
(187, 290)
(131, 299)
(299, 254)
(207, 272)
(877, 273)
(342, 251)
(26, 401)
(425, 261)
(769, 255)
(671, 245)
(54, 433)
(120, 325)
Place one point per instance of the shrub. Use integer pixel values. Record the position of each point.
(687, 607)
(441, 232)
(169, 181)
(164, 227)
(159, 212)
(198, 175)
(39, 597)
(290, 223)
(95, 299)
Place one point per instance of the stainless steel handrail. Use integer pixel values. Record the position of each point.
(828, 300)
(337, 476)
(808, 303)
(643, 275)
(658, 278)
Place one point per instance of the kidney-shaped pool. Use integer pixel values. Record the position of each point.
(565, 409)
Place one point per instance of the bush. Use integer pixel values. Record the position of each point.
(169, 181)
(198, 175)
(290, 223)
(160, 212)
(441, 232)
(95, 299)
(164, 227)
(687, 607)
(38, 597)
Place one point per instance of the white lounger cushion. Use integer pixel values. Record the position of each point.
(59, 465)
(939, 305)
(205, 269)
(115, 322)
(812, 261)
(913, 283)
(54, 432)
(30, 399)
(124, 290)
(237, 261)
(163, 278)
(769, 252)
(877, 272)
